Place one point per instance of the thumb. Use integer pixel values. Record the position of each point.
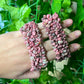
(28, 74)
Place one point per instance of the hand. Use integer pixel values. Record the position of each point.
(15, 58)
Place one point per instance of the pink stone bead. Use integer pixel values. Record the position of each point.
(55, 50)
(44, 16)
(58, 19)
(33, 33)
(34, 26)
(29, 50)
(61, 51)
(25, 42)
(39, 67)
(54, 25)
(51, 24)
(60, 27)
(40, 60)
(32, 36)
(28, 47)
(55, 16)
(32, 69)
(56, 32)
(46, 21)
(57, 53)
(37, 59)
(48, 16)
(50, 19)
(50, 37)
(38, 49)
(51, 31)
(57, 57)
(53, 44)
(52, 28)
(43, 55)
(59, 38)
(63, 32)
(58, 35)
(59, 46)
(36, 63)
(33, 55)
(24, 33)
(56, 45)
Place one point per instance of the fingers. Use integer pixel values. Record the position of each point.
(33, 74)
(73, 47)
(40, 26)
(44, 35)
(74, 35)
(67, 23)
(47, 45)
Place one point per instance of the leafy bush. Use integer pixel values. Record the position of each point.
(15, 13)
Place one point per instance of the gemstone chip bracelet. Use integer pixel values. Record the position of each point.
(57, 36)
(34, 45)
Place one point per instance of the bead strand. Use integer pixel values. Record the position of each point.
(33, 43)
(57, 36)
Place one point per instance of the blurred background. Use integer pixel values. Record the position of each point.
(15, 13)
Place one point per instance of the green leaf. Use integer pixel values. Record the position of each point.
(80, 12)
(19, 24)
(17, 15)
(56, 6)
(2, 3)
(24, 11)
(44, 78)
(66, 3)
(4, 81)
(13, 11)
(23, 81)
(68, 10)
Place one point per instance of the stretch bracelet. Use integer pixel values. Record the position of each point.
(57, 36)
(33, 43)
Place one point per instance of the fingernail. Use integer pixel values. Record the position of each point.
(77, 33)
(77, 47)
(67, 23)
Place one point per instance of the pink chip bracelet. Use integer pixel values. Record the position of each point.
(33, 43)
(56, 35)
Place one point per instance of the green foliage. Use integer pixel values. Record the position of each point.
(14, 14)
(46, 79)
(66, 3)
(56, 6)
(24, 81)
(24, 11)
(80, 14)
(69, 76)
(4, 81)
(17, 15)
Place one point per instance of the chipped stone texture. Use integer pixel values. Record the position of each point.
(33, 42)
(57, 35)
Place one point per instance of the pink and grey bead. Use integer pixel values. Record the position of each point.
(56, 35)
(33, 43)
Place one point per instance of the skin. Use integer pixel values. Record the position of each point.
(14, 57)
